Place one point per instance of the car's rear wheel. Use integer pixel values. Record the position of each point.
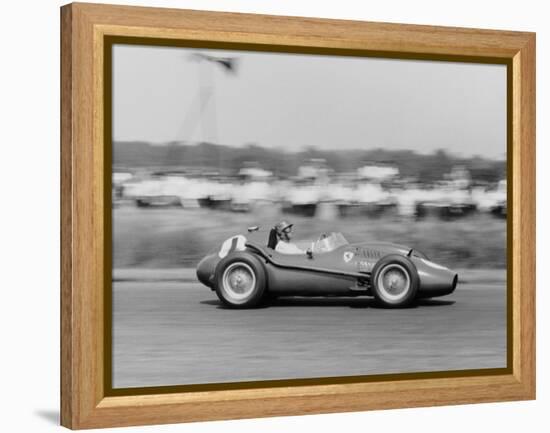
(240, 281)
(394, 281)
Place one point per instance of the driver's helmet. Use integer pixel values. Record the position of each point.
(283, 227)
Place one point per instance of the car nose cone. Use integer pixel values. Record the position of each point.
(205, 270)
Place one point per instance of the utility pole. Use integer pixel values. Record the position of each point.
(202, 110)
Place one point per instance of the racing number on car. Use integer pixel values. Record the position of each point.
(235, 243)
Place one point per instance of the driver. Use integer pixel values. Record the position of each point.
(284, 234)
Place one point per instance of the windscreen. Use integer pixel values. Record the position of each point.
(331, 242)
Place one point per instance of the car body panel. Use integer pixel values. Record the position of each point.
(344, 271)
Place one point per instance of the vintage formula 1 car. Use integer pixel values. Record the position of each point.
(245, 271)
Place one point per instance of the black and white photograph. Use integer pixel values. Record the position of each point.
(281, 216)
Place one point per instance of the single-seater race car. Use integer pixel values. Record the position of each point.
(244, 272)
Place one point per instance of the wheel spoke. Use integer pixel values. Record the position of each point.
(393, 282)
(239, 281)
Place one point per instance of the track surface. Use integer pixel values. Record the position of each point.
(175, 333)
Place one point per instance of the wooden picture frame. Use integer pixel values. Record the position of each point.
(87, 399)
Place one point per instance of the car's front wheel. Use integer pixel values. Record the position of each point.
(394, 281)
(240, 281)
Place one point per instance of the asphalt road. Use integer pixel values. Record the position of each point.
(176, 332)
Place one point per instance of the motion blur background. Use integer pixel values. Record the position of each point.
(206, 143)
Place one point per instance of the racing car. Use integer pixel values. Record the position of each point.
(246, 270)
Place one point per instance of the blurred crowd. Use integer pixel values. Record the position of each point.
(373, 190)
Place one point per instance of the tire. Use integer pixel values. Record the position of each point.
(240, 280)
(394, 281)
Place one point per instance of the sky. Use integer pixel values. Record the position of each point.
(295, 101)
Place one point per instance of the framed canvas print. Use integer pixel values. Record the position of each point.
(269, 216)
